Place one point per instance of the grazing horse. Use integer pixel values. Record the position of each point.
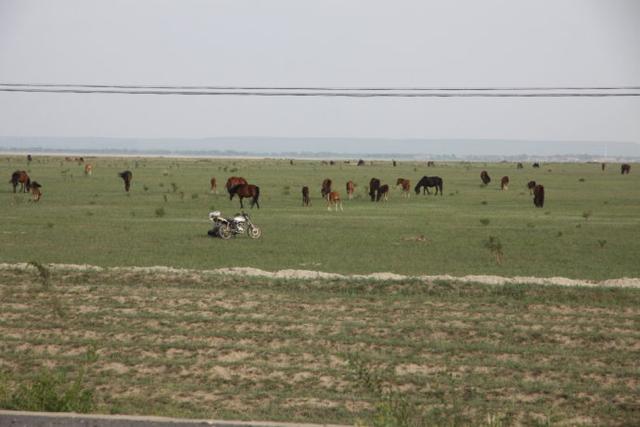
(538, 196)
(484, 176)
(326, 188)
(603, 165)
(20, 177)
(383, 193)
(429, 181)
(431, 164)
(88, 169)
(214, 185)
(244, 191)
(360, 162)
(374, 186)
(306, 200)
(126, 176)
(333, 199)
(536, 165)
(531, 185)
(504, 183)
(35, 191)
(351, 187)
(406, 186)
(519, 166)
(29, 158)
(232, 182)
(625, 168)
(394, 163)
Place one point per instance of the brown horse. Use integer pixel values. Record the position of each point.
(484, 176)
(88, 169)
(531, 185)
(625, 169)
(326, 188)
(245, 191)
(351, 187)
(333, 199)
(214, 185)
(20, 177)
(126, 176)
(504, 183)
(383, 193)
(35, 191)
(538, 196)
(306, 200)
(232, 182)
(406, 186)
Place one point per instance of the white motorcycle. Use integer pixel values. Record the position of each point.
(225, 228)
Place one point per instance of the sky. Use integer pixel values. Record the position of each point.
(321, 43)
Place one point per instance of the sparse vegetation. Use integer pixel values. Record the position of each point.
(160, 212)
(495, 247)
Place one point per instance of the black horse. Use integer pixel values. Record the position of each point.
(244, 191)
(126, 176)
(374, 187)
(429, 181)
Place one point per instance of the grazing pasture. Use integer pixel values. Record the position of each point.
(162, 220)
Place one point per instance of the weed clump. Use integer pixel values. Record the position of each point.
(495, 247)
(160, 212)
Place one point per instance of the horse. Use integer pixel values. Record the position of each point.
(602, 166)
(431, 164)
(394, 163)
(625, 168)
(326, 188)
(374, 186)
(246, 190)
(214, 185)
(531, 185)
(29, 158)
(406, 186)
(351, 187)
(333, 199)
(429, 181)
(360, 162)
(484, 176)
(88, 169)
(35, 191)
(232, 182)
(536, 165)
(519, 166)
(504, 183)
(383, 193)
(306, 200)
(538, 196)
(126, 176)
(20, 177)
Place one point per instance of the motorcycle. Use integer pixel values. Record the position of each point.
(225, 228)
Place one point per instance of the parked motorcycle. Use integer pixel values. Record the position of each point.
(225, 228)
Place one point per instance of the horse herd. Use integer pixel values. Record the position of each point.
(239, 186)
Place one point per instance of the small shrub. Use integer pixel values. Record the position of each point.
(160, 212)
(194, 196)
(602, 243)
(581, 180)
(485, 221)
(586, 215)
(484, 202)
(233, 170)
(531, 225)
(145, 188)
(50, 225)
(559, 234)
(166, 199)
(174, 187)
(495, 247)
(43, 273)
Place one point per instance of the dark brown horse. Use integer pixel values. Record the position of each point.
(625, 169)
(484, 176)
(20, 177)
(35, 191)
(538, 196)
(531, 185)
(383, 193)
(126, 176)
(431, 164)
(306, 200)
(232, 182)
(214, 185)
(351, 187)
(374, 186)
(245, 191)
(504, 183)
(326, 188)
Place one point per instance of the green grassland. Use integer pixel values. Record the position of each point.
(587, 229)
(385, 353)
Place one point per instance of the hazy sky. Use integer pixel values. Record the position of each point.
(316, 43)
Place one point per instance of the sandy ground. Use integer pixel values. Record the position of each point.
(625, 282)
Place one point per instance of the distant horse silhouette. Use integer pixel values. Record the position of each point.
(406, 186)
(429, 181)
(232, 182)
(538, 196)
(88, 169)
(326, 188)
(306, 200)
(431, 164)
(394, 163)
(126, 176)
(602, 166)
(519, 166)
(29, 158)
(351, 187)
(333, 199)
(22, 178)
(245, 191)
(35, 191)
(536, 165)
(531, 185)
(374, 186)
(504, 183)
(383, 193)
(214, 185)
(625, 169)
(484, 176)
(360, 162)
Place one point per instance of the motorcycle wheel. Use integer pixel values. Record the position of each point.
(254, 232)
(225, 232)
